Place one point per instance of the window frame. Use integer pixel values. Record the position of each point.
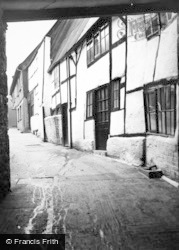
(88, 104)
(149, 18)
(90, 42)
(161, 114)
(120, 86)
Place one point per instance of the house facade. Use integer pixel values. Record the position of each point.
(27, 90)
(109, 84)
(116, 88)
(18, 92)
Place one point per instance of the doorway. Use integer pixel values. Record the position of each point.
(102, 117)
(65, 124)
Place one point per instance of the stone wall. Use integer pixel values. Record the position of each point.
(4, 140)
(163, 152)
(128, 149)
(53, 128)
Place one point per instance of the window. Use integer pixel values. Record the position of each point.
(152, 26)
(89, 105)
(165, 18)
(160, 109)
(117, 95)
(98, 43)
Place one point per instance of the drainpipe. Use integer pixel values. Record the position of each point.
(126, 54)
(69, 101)
(42, 104)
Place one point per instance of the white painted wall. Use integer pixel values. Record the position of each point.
(167, 65)
(135, 120)
(97, 74)
(118, 61)
(117, 123)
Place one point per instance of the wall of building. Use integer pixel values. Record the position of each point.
(53, 126)
(163, 151)
(4, 142)
(12, 118)
(88, 78)
(147, 61)
(36, 79)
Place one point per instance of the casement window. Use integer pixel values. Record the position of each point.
(98, 43)
(165, 18)
(152, 25)
(89, 105)
(117, 95)
(160, 109)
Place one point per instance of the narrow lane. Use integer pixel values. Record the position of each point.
(96, 201)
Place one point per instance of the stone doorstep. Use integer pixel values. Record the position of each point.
(100, 152)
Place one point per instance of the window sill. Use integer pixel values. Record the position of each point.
(114, 110)
(89, 119)
(158, 134)
(96, 59)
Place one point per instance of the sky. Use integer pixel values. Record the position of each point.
(21, 40)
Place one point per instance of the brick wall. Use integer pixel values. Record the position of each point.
(4, 140)
(53, 128)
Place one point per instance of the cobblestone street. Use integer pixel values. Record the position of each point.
(96, 201)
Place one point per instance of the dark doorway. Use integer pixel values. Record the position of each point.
(102, 117)
(29, 116)
(65, 124)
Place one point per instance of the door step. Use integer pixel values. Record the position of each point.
(100, 152)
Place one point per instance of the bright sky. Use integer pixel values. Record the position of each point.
(21, 39)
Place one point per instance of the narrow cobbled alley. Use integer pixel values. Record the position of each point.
(98, 202)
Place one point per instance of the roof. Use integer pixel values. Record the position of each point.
(65, 34)
(24, 65)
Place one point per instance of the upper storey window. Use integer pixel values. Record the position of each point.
(98, 43)
(152, 25)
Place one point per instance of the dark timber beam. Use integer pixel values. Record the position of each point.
(57, 13)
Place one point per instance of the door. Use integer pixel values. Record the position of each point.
(65, 124)
(102, 117)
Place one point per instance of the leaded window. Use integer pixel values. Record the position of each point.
(160, 109)
(89, 105)
(152, 25)
(98, 43)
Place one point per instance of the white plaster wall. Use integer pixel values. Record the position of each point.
(47, 79)
(79, 137)
(167, 57)
(34, 123)
(135, 120)
(118, 61)
(64, 93)
(117, 123)
(149, 64)
(136, 63)
(90, 130)
(97, 74)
